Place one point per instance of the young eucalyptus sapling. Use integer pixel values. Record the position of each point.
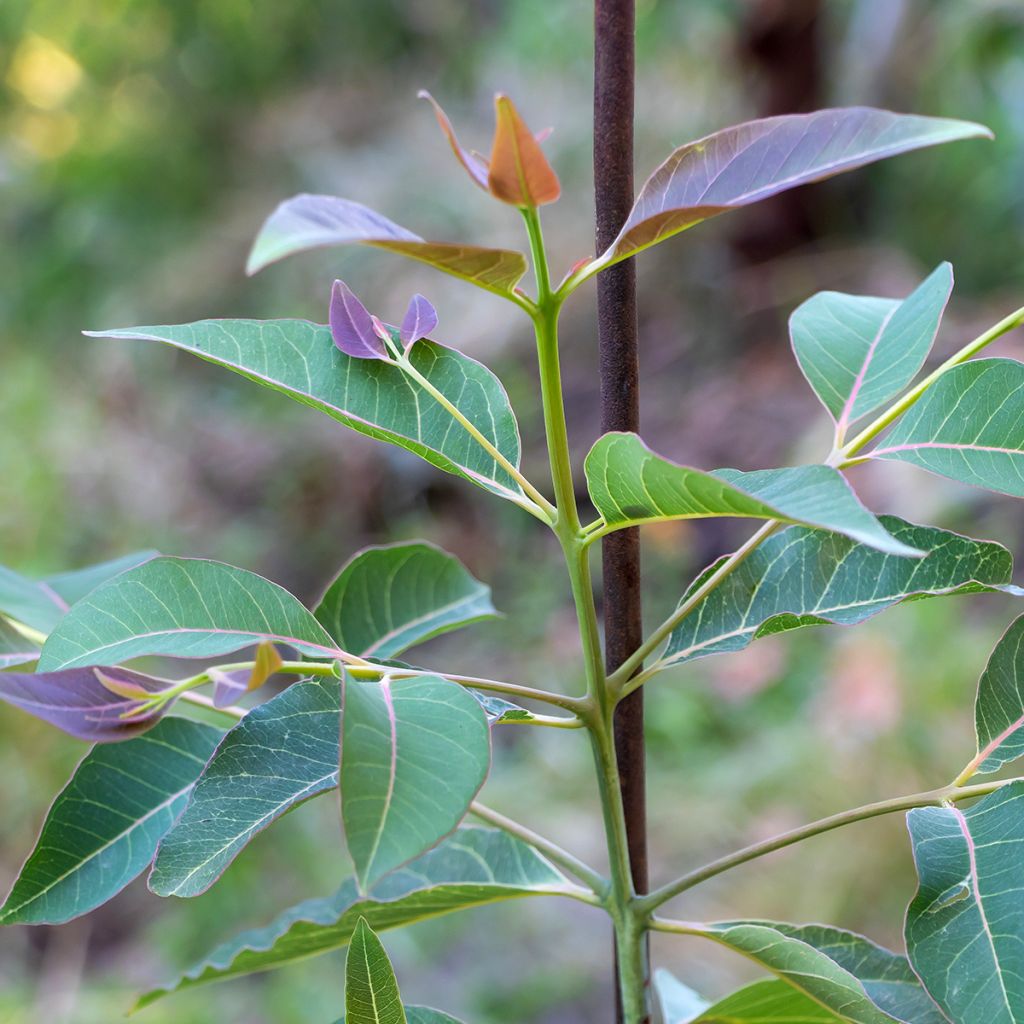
(410, 749)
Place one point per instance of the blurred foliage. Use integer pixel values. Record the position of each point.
(141, 142)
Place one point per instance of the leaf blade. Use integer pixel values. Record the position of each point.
(371, 988)
(999, 708)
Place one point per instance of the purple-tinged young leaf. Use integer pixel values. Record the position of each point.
(753, 161)
(82, 701)
(475, 165)
(310, 221)
(229, 686)
(352, 326)
(419, 320)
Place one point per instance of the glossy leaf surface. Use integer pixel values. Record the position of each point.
(181, 608)
(414, 753)
(388, 598)
(631, 485)
(312, 221)
(474, 867)
(999, 709)
(964, 926)
(857, 352)
(282, 753)
(375, 398)
(759, 159)
(968, 426)
(371, 988)
(103, 828)
(802, 577)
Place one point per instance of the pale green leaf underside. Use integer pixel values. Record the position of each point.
(283, 752)
(631, 485)
(968, 426)
(371, 396)
(414, 753)
(857, 352)
(999, 709)
(104, 827)
(965, 924)
(15, 649)
(847, 974)
(181, 608)
(802, 577)
(473, 867)
(371, 988)
(386, 599)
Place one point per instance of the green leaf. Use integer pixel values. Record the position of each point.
(310, 221)
(968, 426)
(373, 397)
(414, 754)
(281, 754)
(847, 974)
(857, 352)
(631, 485)
(474, 867)
(15, 649)
(104, 827)
(999, 708)
(764, 1002)
(964, 926)
(40, 604)
(422, 1015)
(802, 577)
(371, 988)
(759, 159)
(386, 599)
(181, 608)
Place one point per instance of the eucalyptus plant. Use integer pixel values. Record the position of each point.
(409, 749)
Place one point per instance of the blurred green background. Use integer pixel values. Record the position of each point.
(142, 143)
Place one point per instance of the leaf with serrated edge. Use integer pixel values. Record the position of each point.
(857, 352)
(371, 988)
(312, 221)
(181, 608)
(759, 159)
(964, 926)
(414, 754)
(802, 577)
(281, 754)
(388, 598)
(630, 485)
(300, 359)
(473, 867)
(103, 828)
(849, 975)
(968, 426)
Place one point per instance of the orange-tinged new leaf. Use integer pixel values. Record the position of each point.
(519, 172)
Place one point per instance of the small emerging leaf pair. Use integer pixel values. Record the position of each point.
(358, 333)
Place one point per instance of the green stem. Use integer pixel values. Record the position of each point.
(841, 458)
(932, 798)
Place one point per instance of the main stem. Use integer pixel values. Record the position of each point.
(598, 709)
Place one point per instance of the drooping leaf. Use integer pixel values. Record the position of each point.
(857, 352)
(964, 926)
(475, 165)
(414, 754)
(764, 1002)
(352, 326)
(474, 867)
(847, 974)
(181, 608)
(40, 604)
(518, 172)
(419, 320)
(88, 703)
(802, 577)
(311, 221)
(282, 753)
(371, 988)
(631, 485)
(103, 828)
(15, 647)
(753, 161)
(388, 598)
(968, 426)
(375, 398)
